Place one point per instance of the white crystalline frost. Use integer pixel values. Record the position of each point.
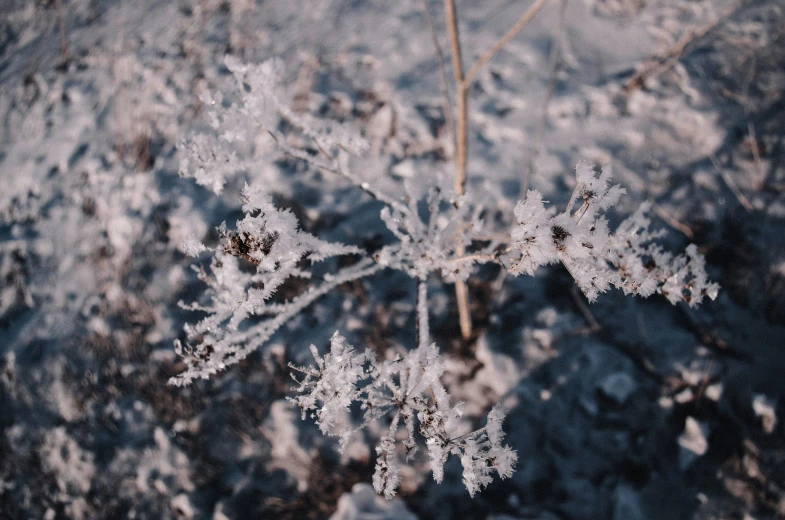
(193, 247)
(599, 259)
(766, 410)
(409, 389)
(269, 240)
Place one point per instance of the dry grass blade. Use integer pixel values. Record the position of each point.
(443, 83)
(520, 24)
(553, 66)
(662, 61)
(743, 200)
(672, 222)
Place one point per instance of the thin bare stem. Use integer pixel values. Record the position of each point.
(64, 54)
(672, 222)
(461, 291)
(553, 65)
(335, 167)
(520, 24)
(455, 45)
(461, 97)
(461, 141)
(577, 297)
(662, 61)
(443, 83)
(743, 200)
(755, 150)
(422, 313)
(464, 316)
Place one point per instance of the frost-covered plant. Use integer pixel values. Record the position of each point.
(266, 249)
(598, 259)
(409, 389)
(268, 239)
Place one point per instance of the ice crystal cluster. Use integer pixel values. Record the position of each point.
(408, 389)
(435, 233)
(597, 259)
(268, 240)
(427, 246)
(213, 156)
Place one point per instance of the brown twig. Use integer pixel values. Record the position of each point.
(662, 61)
(553, 66)
(443, 83)
(709, 340)
(461, 290)
(632, 351)
(464, 82)
(755, 151)
(743, 200)
(461, 142)
(594, 325)
(672, 222)
(305, 81)
(461, 97)
(65, 56)
(522, 22)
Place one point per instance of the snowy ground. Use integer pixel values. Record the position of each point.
(660, 412)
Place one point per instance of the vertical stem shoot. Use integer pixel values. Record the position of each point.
(461, 97)
(461, 291)
(64, 54)
(422, 313)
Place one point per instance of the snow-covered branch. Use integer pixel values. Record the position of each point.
(597, 258)
(250, 264)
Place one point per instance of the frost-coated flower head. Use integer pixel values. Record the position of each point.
(333, 383)
(407, 388)
(429, 245)
(533, 235)
(192, 246)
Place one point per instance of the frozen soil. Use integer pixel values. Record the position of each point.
(626, 409)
